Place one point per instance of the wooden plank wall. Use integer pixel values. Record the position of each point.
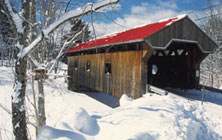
(147, 53)
(184, 29)
(70, 70)
(125, 77)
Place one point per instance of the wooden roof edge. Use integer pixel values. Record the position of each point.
(215, 46)
(177, 40)
(99, 47)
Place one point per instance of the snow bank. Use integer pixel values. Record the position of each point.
(162, 117)
(50, 133)
(149, 117)
(141, 136)
(80, 121)
(124, 100)
(6, 90)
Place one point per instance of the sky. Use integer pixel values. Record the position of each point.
(132, 13)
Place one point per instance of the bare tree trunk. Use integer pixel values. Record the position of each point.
(41, 97)
(22, 37)
(41, 104)
(8, 58)
(212, 80)
(18, 99)
(40, 107)
(35, 106)
(2, 56)
(56, 67)
(18, 108)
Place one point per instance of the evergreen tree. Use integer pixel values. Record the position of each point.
(6, 35)
(6, 31)
(76, 26)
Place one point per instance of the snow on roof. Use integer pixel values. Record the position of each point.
(132, 35)
(176, 18)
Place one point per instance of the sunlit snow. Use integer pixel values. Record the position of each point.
(72, 115)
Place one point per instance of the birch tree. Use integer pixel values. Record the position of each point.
(21, 27)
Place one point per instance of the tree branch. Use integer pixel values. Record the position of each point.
(63, 48)
(6, 109)
(15, 19)
(66, 17)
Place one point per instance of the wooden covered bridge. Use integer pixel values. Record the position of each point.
(164, 54)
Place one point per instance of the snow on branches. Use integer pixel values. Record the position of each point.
(88, 8)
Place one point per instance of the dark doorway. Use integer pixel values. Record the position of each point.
(175, 67)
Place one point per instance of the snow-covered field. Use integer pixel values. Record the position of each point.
(77, 116)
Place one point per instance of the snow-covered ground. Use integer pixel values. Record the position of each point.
(72, 115)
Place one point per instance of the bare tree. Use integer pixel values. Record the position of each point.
(21, 28)
(211, 68)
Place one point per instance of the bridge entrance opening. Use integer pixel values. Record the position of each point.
(175, 67)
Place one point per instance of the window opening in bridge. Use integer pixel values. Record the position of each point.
(180, 52)
(154, 69)
(160, 54)
(88, 66)
(166, 52)
(108, 69)
(154, 53)
(75, 65)
(197, 73)
(173, 53)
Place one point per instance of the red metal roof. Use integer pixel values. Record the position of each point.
(132, 35)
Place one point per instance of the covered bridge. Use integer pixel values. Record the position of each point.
(164, 54)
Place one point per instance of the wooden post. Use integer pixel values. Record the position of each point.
(202, 98)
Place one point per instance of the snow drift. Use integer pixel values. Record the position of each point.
(124, 100)
(50, 133)
(80, 121)
(151, 117)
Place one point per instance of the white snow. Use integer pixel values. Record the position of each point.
(124, 100)
(80, 121)
(38, 65)
(17, 125)
(30, 47)
(176, 18)
(15, 17)
(72, 115)
(181, 16)
(50, 133)
(15, 94)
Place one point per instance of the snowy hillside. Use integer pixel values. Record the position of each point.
(77, 116)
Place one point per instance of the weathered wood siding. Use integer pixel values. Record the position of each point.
(147, 53)
(185, 29)
(125, 77)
